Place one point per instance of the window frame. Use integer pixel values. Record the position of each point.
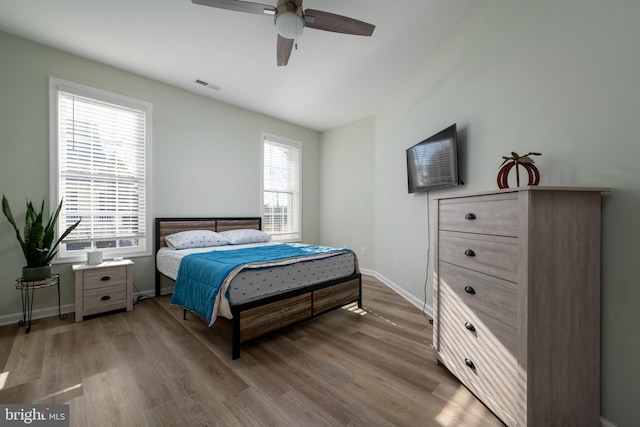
(297, 234)
(145, 242)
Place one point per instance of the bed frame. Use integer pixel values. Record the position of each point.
(256, 318)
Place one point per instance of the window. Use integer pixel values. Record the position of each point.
(281, 214)
(100, 154)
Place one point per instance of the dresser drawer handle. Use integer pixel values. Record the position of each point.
(470, 216)
(469, 326)
(469, 290)
(469, 363)
(106, 298)
(105, 278)
(469, 252)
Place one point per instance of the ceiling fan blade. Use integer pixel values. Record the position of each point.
(240, 6)
(285, 46)
(337, 23)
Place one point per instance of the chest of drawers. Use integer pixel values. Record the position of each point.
(517, 302)
(103, 287)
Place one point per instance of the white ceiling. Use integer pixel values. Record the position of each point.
(332, 79)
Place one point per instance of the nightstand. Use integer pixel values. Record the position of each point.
(103, 287)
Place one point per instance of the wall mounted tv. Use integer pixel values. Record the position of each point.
(433, 163)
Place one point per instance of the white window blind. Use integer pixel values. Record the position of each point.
(102, 147)
(281, 215)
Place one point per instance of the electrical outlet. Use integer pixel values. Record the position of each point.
(363, 250)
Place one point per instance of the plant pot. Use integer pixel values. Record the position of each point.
(33, 274)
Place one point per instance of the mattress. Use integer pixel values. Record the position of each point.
(255, 283)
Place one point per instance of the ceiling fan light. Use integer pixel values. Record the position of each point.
(289, 24)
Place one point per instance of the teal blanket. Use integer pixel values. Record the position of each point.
(202, 275)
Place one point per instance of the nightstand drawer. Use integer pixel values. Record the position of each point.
(488, 294)
(103, 287)
(493, 255)
(496, 215)
(105, 299)
(101, 277)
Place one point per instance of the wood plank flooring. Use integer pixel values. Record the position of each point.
(148, 367)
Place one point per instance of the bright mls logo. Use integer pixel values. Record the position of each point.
(36, 415)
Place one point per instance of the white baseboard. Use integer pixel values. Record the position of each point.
(71, 308)
(145, 294)
(166, 290)
(421, 305)
(41, 313)
(8, 319)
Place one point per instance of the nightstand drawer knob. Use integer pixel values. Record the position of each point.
(105, 278)
(469, 363)
(469, 290)
(469, 252)
(469, 326)
(106, 298)
(470, 216)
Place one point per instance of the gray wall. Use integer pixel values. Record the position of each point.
(206, 155)
(556, 77)
(346, 189)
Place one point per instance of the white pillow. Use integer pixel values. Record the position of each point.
(195, 239)
(243, 236)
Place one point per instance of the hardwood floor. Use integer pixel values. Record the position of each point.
(148, 367)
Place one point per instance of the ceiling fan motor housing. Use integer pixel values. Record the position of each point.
(289, 21)
(291, 18)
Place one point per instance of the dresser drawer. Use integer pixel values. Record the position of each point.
(490, 295)
(104, 299)
(493, 255)
(508, 418)
(101, 277)
(495, 214)
(482, 332)
(484, 373)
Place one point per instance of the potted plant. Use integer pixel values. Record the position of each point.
(38, 246)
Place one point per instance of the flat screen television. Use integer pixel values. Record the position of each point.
(433, 163)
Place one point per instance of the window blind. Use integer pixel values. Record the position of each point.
(102, 172)
(282, 188)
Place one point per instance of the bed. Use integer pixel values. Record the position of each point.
(290, 289)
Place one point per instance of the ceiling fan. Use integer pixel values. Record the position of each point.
(290, 19)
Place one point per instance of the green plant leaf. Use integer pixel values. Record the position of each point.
(7, 213)
(54, 250)
(37, 244)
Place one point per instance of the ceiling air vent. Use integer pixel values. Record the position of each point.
(206, 84)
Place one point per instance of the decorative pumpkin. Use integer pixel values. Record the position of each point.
(517, 160)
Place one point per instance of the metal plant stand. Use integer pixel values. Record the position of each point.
(28, 290)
